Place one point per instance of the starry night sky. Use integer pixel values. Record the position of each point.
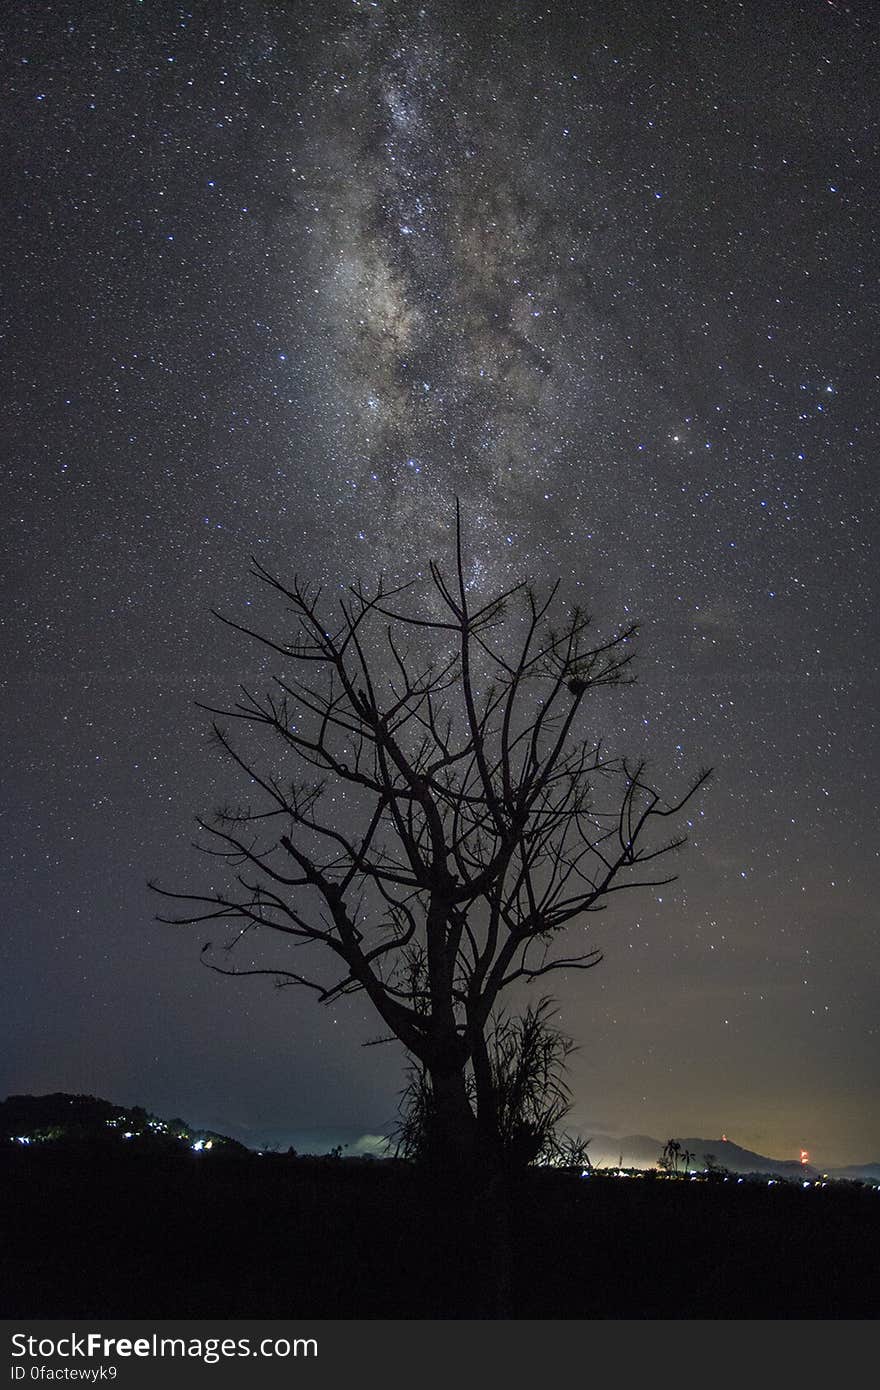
(282, 279)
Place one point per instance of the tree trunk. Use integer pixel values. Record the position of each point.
(488, 1126)
(452, 1136)
(469, 1198)
(494, 1213)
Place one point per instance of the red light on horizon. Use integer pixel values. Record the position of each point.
(805, 1157)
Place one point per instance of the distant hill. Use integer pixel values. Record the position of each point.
(82, 1120)
(61, 1119)
(641, 1151)
(313, 1140)
(857, 1172)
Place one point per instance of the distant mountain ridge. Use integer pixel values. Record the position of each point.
(80, 1119)
(59, 1115)
(642, 1151)
(859, 1172)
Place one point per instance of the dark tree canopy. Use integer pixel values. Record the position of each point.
(430, 822)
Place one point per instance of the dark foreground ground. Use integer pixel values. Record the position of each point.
(270, 1237)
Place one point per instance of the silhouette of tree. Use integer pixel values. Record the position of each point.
(670, 1155)
(432, 816)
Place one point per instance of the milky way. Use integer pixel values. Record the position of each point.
(442, 270)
